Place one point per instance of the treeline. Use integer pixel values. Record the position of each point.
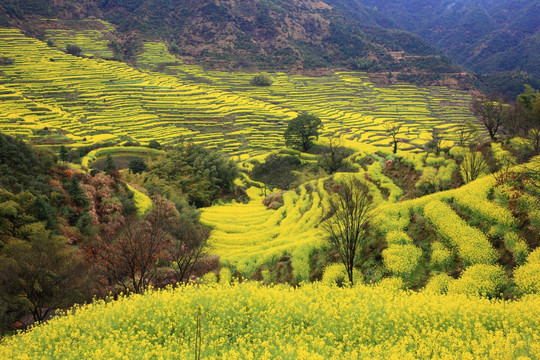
(68, 236)
(520, 118)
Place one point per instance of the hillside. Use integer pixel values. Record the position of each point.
(266, 34)
(484, 36)
(84, 101)
(351, 201)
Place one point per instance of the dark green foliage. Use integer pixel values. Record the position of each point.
(277, 171)
(109, 164)
(154, 144)
(23, 168)
(483, 36)
(137, 166)
(6, 61)
(76, 193)
(84, 224)
(43, 211)
(527, 98)
(63, 154)
(73, 50)
(192, 170)
(261, 80)
(332, 158)
(128, 201)
(174, 48)
(301, 131)
(40, 273)
(508, 84)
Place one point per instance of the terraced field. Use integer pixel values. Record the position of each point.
(91, 42)
(247, 236)
(53, 98)
(83, 101)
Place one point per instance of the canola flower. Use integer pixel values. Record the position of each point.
(402, 260)
(472, 245)
(314, 321)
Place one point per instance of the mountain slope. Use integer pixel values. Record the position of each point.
(483, 35)
(262, 34)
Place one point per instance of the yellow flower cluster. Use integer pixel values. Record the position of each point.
(397, 237)
(315, 321)
(438, 284)
(527, 277)
(441, 257)
(402, 260)
(480, 279)
(472, 245)
(336, 274)
(142, 201)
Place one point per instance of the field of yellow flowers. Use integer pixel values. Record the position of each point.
(313, 321)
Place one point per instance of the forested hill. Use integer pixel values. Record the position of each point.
(485, 36)
(257, 34)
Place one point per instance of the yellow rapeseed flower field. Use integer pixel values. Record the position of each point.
(313, 321)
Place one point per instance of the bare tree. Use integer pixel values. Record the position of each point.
(130, 257)
(188, 245)
(347, 220)
(436, 141)
(473, 166)
(392, 130)
(515, 119)
(491, 112)
(467, 133)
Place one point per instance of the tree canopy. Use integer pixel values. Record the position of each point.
(301, 131)
(194, 171)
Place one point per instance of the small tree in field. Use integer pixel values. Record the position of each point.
(491, 113)
(333, 158)
(392, 130)
(73, 50)
(473, 166)
(301, 131)
(261, 80)
(347, 220)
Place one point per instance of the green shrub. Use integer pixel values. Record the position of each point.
(517, 246)
(261, 80)
(73, 50)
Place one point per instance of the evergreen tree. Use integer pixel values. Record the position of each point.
(137, 166)
(63, 154)
(76, 193)
(109, 165)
